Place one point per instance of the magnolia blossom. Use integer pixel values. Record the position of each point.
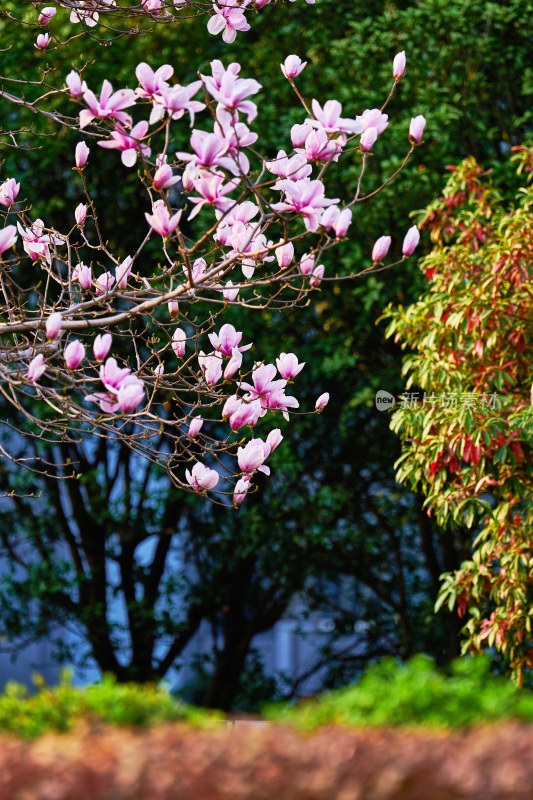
(102, 345)
(108, 106)
(53, 325)
(83, 275)
(201, 477)
(173, 308)
(412, 237)
(246, 414)
(75, 84)
(8, 237)
(179, 337)
(307, 264)
(211, 366)
(368, 139)
(228, 19)
(416, 128)
(46, 15)
(305, 198)
(9, 190)
(130, 394)
(161, 221)
(241, 489)
(322, 401)
(285, 254)
(80, 214)
(233, 364)
(36, 368)
(227, 340)
(129, 144)
(36, 242)
(316, 276)
(82, 154)
(122, 272)
(74, 354)
(152, 82)
(288, 366)
(164, 178)
(398, 65)
(195, 427)
(104, 283)
(292, 66)
(251, 457)
(43, 40)
(381, 248)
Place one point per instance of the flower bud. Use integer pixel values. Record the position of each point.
(43, 40)
(74, 354)
(322, 401)
(81, 214)
(412, 237)
(46, 15)
(82, 153)
(398, 65)
(381, 248)
(178, 342)
(416, 128)
(36, 368)
(53, 325)
(292, 66)
(82, 275)
(102, 346)
(195, 427)
(173, 307)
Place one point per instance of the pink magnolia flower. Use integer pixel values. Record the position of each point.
(36, 242)
(317, 275)
(273, 439)
(263, 383)
(285, 254)
(211, 366)
(213, 192)
(43, 40)
(82, 154)
(251, 457)
(179, 337)
(175, 101)
(201, 477)
(230, 293)
(195, 427)
(241, 489)
(164, 178)
(246, 414)
(381, 248)
(305, 198)
(173, 308)
(227, 339)
(288, 366)
(75, 85)
(322, 401)
(36, 368)
(233, 364)
(398, 65)
(152, 82)
(130, 394)
(9, 191)
(122, 272)
(8, 237)
(412, 237)
(80, 214)
(292, 66)
(53, 325)
(104, 283)
(329, 118)
(231, 405)
(294, 168)
(307, 264)
(228, 19)
(46, 15)
(112, 375)
(232, 93)
(368, 139)
(339, 220)
(373, 118)
(279, 401)
(319, 146)
(209, 148)
(416, 128)
(130, 144)
(108, 106)
(74, 354)
(83, 275)
(102, 345)
(161, 221)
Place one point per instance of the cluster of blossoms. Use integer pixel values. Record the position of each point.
(265, 223)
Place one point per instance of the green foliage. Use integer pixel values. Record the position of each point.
(60, 708)
(416, 693)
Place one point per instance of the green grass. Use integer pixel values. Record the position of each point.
(415, 694)
(59, 708)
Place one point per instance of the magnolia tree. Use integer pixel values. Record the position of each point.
(137, 347)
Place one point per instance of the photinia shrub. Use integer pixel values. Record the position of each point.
(467, 426)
